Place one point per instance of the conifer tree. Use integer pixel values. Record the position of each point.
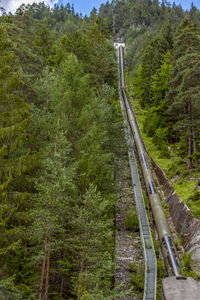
(151, 62)
(101, 56)
(69, 173)
(44, 42)
(52, 214)
(183, 95)
(156, 121)
(93, 244)
(72, 43)
(16, 163)
(161, 80)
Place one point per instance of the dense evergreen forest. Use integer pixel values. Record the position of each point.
(59, 126)
(162, 57)
(61, 130)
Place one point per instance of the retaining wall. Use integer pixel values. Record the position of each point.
(185, 223)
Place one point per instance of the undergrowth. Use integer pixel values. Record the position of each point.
(137, 277)
(186, 269)
(131, 220)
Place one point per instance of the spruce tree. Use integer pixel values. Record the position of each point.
(16, 163)
(151, 62)
(183, 94)
(44, 42)
(52, 215)
(93, 246)
(101, 62)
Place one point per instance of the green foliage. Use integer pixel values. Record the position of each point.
(131, 221)
(71, 43)
(184, 85)
(160, 276)
(57, 155)
(137, 277)
(155, 123)
(101, 58)
(161, 79)
(167, 86)
(44, 41)
(160, 139)
(195, 196)
(186, 268)
(177, 242)
(151, 79)
(93, 244)
(8, 290)
(16, 162)
(60, 130)
(72, 174)
(186, 261)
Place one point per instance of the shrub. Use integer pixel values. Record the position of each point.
(131, 221)
(137, 277)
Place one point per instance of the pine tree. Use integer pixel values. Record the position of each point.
(95, 164)
(58, 105)
(72, 43)
(151, 62)
(93, 245)
(16, 163)
(77, 160)
(101, 55)
(44, 42)
(184, 92)
(52, 214)
(156, 121)
(161, 80)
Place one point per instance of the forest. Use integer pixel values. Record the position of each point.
(61, 132)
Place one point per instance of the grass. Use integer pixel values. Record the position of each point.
(186, 267)
(184, 188)
(178, 241)
(131, 221)
(160, 276)
(137, 277)
(166, 209)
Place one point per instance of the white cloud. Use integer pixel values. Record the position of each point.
(12, 5)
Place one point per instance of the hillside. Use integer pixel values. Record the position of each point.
(61, 133)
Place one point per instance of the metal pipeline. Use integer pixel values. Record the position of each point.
(122, 66)
(144, 161)
(172, 259)
(151, 186)
(157, 210)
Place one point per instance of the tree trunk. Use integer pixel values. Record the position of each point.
(82, 267)
(62, 284)
(48, 269)
(43, 271)
(190, 148)
(193, 133)
(194, 140)
(194, 143)
(81, 271)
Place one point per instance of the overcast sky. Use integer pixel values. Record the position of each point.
(12, 5)
(83, 6)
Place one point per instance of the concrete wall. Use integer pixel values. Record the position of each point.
(185, 223)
